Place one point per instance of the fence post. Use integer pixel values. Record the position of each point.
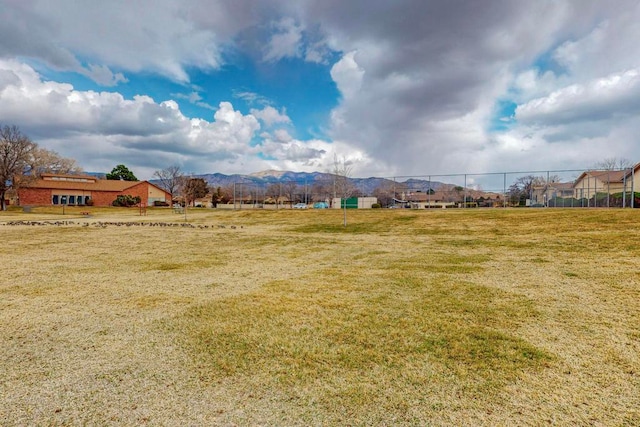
(608, 189)
(464, 202)
(633, 194)
(394, 191)
(504, 190)
(624, 190)
(546, 192)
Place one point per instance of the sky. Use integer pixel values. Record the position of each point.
(393, 88)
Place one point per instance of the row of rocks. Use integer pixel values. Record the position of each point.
(34, 223)
(103, 224)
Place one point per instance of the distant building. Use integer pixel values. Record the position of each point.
(437, 199)
(53, 189)
(450, 199)
(592, 187)
(593, 182)
(548, 194)
(354, 202)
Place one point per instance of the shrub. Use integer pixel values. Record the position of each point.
(376, 206)
(160, 203)
(89, 202)
(126, 200)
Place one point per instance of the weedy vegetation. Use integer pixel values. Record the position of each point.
(474, 317)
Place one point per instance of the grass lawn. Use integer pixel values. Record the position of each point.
(474, 317)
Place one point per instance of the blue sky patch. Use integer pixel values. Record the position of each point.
(504, 116)
(546, 62)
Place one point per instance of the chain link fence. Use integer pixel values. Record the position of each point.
(551, 188)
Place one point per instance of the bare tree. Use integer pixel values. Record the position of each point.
(389, 190)
(459, 191)
(274, 191)
(16, 151)
(613, 163)
(552, 179)
(194, 188)
(44, 161)
(290, 189)
(522, 188)
(321, 191)
(21, 161)
(47, 161)
(343, 187)
(225, 194)
(171, 179)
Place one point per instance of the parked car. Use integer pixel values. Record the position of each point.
(300, 206)
(320, 205)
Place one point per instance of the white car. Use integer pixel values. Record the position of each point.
(300, 206)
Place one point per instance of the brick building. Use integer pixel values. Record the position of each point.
(52, 189)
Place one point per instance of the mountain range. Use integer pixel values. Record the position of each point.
(268, 177)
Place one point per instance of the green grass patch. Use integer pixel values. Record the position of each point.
(351, 228)
(436, 262)
(290, 336)
(168, 266)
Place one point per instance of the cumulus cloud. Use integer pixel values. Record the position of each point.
(285, 42)
(282, 135)
(102, 75)
(270, 115)
(614, 95)
(293, 152)
(251, 98)
(348, 75)
(609, 46)
(317, 52)
(48, 106)
(194, 98)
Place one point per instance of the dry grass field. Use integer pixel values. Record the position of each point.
(474, 317)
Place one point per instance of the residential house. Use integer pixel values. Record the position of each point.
(594, 182)
(549, 194)
(592, 187)
(449, 198)
(437, 199)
